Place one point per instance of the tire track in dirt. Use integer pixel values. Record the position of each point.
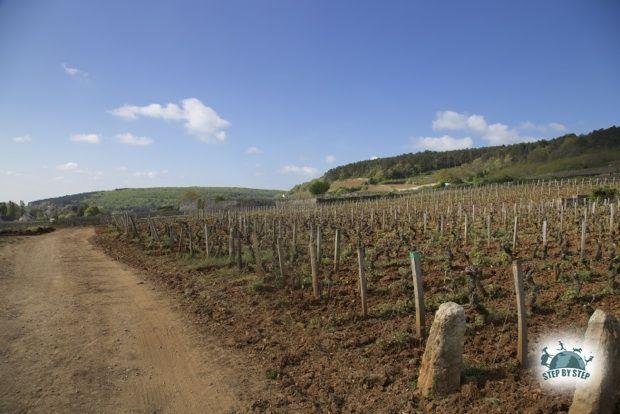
(80, 332)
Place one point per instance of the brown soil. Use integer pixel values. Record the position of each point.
(80, 332)
(323, 357)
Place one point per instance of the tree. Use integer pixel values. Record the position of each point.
(12, 210)
(92, 211)
(2, 209)
(318, 187)
(81, 209)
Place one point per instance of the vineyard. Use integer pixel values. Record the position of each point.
(335, 301)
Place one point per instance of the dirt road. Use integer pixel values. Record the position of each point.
(80, 332)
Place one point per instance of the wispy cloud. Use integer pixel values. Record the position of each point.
(443, 143)
(74, 168)
(22, 139)
(69, 166)
(86, 138)
(330, 159)
(199, 120)
(10, 173)
(75, 72)
(300, 170)
(150, 174)
(544, 128)
(130, 139)
(253, 151)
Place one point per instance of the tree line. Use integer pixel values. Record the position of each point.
(12, 211)
(408, 165)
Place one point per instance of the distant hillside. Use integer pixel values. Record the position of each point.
(593, 153)
(153, 198)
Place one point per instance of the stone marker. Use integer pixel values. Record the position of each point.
(599, 393)
(440, 371)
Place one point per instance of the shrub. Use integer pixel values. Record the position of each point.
(318, 187)
(602, 193)
(92, 211)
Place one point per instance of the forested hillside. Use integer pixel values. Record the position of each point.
(153, 198)
(589, 150)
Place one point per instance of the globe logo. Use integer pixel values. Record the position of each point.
(567, 359)
(565, 363)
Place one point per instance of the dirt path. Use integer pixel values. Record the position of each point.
(80, 332)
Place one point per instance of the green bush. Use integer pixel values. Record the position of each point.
(602, 193)
(92, 211)
(318, 187)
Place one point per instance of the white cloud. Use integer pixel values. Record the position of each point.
(87, 138)
(498, 134)
(130, 139)
(374, 157)
(454, 121)
(10, 173)
(330, 159)
(300, 170)
(556, 126)
(150, 174)
(200, 121)
(494, 134)
(253, 151)
(546, 128)
(22, 139)
(74, 72)
(527, 125)
(122, 168)
(443, 143)
(69, 166)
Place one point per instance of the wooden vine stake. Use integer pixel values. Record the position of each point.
(239, 249)
(514, 234)
(488, 229)
(189, 237)
(206, 230)
(582, 245)
(294, 244)
(231, 243)
(337, 251)
(319, 240)
(465, 231)
(521, 314)
(316, 285)
(418, 287)
(362, 279)
(280, 260)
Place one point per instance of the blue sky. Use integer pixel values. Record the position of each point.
(100, 95)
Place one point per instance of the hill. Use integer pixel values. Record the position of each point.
(152, 198)
(588, 154)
